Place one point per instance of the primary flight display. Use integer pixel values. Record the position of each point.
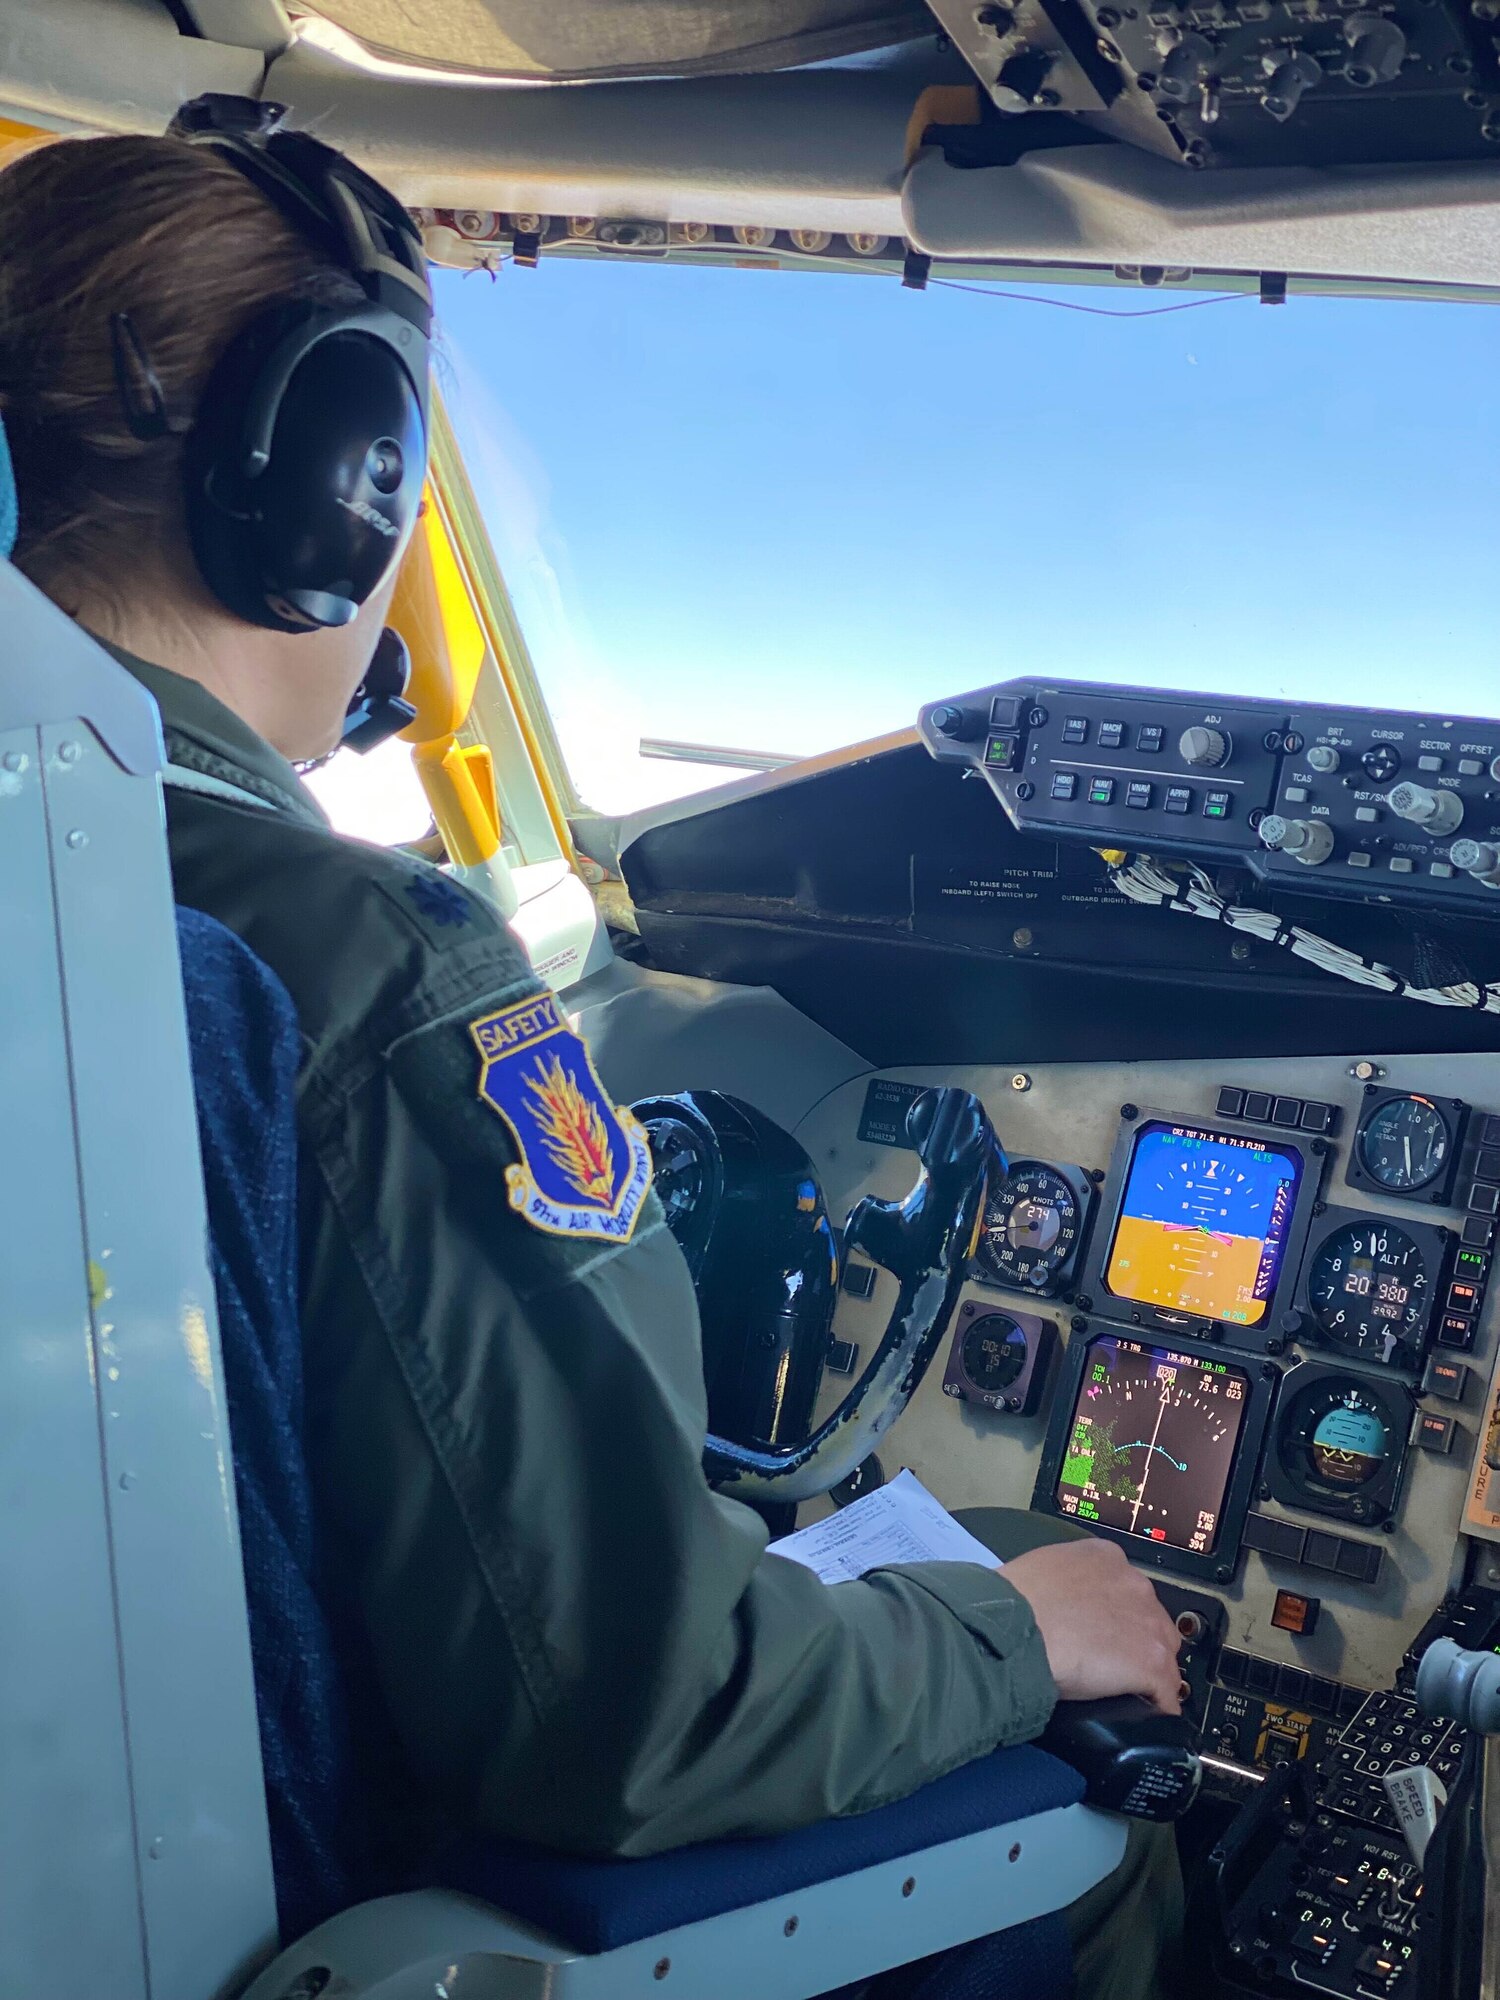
(1203, 1222)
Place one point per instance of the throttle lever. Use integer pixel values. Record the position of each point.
(1133, 1759)
(925, 1242)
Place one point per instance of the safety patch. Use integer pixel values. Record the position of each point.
(585, 1166)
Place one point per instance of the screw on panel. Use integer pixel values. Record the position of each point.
(16, 761)
(789, 1928)
(661, 1968)
(68, 753)
(1015, 1852)
(908, 1885)
(1129, 1111)
(1020, 1081)
(78, 838)
(1022, 939)
(1239, 950)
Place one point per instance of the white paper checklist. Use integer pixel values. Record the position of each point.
(898, 1523)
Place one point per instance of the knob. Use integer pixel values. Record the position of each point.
(1200, 745)
(1287, 80)
(959, 725)
(1310, 841)
(1377, 49)
(1322, 757)
(1477, 858)
(1438, 812)
(1187, 63)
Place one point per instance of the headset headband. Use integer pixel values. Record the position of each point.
(349, 215)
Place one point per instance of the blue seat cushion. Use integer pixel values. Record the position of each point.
(599, 1905)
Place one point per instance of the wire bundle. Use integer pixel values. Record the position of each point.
(1142, 879)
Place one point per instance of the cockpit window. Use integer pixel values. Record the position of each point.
(768, 515)
(377, 797)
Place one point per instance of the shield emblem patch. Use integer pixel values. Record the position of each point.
(584, 1164)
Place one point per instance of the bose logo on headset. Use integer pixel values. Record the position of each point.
(305, 461)
(372, 515)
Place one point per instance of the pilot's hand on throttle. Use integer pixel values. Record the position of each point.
(1101, 1622)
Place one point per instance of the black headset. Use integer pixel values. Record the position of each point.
(305, 461)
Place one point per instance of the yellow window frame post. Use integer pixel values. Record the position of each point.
(434, 612)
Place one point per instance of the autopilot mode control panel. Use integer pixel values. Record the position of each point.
(1403, 807)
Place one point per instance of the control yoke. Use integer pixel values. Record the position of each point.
(925, 1242)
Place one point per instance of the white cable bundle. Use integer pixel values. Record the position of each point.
(1145, 880)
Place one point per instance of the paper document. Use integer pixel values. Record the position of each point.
(899, 1523)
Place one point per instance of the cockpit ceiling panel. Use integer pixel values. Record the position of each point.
(620, 38)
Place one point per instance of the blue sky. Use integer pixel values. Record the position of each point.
(781, 511)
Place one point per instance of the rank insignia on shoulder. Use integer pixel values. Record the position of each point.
(439, 900)
(585, 1166)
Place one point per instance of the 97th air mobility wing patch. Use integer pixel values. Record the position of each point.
(585, 1167)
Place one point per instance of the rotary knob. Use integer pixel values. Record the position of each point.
(959, 725)
(1309, 841)
(1438, 813)
(1322, 757)
(1477, 858)
(1201, 745)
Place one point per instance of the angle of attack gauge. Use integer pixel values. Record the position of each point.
(1340, 1444)
(1034, 1228)
(1407, 1145)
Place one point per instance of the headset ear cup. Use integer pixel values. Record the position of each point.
(304, 540)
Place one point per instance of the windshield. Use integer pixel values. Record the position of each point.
(776, 513)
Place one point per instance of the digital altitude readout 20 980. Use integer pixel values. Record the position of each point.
(1203, 1222)
(1152, 1442)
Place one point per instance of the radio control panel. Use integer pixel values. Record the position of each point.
(1359, 802)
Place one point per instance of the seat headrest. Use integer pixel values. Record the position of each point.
(8, 509)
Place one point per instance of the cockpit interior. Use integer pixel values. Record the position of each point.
(1084, 1100)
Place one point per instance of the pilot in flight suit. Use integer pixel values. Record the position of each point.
(578, 1643)
(575, 1641)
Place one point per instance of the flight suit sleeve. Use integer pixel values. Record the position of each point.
(580, 1643)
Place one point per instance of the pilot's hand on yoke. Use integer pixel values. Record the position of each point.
(1101, 1622)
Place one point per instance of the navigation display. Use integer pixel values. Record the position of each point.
(1152, 1443)
(1203, 1222)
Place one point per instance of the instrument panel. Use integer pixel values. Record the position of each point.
(1237, 1322)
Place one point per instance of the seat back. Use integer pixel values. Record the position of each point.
(134, 1858)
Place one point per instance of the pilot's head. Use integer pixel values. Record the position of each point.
(213, 376)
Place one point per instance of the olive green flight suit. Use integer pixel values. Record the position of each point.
(578, 1643)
